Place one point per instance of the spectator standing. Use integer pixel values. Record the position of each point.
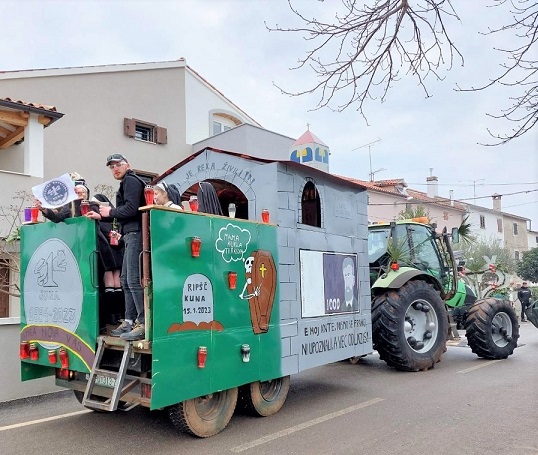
(524, 296)
(129, 198)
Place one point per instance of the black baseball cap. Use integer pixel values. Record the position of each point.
(115, 157)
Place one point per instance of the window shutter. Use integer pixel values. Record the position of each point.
(162, 136)
(129, 127)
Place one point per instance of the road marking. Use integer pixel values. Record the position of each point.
(302, 426)
(46, 419)
(485, 364)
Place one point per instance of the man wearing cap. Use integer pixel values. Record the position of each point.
(129, 198)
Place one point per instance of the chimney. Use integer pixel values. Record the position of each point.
(497, 202)
(451, 192)
(432, 185)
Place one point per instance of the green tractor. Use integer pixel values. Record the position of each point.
(415, 291)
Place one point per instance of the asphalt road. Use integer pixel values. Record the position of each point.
(463, 406)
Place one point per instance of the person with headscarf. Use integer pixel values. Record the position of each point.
(167, 196)
(111, 257)
(208, 201)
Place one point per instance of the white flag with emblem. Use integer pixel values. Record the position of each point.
(55, 192)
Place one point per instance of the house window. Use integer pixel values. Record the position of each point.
(310, 205)
(445, 216)
(219, 127)
(221, 121)
(144, 131)
(482, 222)
(4, 288)
(516, 255)
(499, 225)
(537, 239)
(515, 228)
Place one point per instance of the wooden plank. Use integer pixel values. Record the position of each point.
(10, 139)
(4, 131)
(14, 118)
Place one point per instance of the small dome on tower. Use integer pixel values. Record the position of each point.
(310, 150)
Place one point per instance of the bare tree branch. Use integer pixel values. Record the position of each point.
(520, 70)
(360, 56)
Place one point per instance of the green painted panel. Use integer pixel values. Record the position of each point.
(59, 292)
(193, 305)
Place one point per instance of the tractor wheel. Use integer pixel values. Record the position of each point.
(204, 416)
(264, 398)
(491, 328)
(410, 326)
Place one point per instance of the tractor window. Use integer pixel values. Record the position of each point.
(423, 250)
(377, 243)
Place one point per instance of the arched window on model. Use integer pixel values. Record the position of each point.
(310, 205)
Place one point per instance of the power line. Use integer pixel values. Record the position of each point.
(468, 185)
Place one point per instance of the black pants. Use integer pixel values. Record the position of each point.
(524, 306)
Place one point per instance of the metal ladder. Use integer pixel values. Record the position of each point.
(119, 390)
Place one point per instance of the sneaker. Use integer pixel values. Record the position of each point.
(123, 328)
(138, 333)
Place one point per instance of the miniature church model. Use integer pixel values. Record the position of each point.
(310, 150)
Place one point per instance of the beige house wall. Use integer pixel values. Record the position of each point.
(519, 242)
(386, 207)
(95, 105)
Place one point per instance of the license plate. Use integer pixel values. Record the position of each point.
(103, 381)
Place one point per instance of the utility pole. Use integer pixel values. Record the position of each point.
(369, 145)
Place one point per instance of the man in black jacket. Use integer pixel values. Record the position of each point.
(524, 296)
(129, 198)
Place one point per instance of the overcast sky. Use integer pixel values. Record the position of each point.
(226, 41)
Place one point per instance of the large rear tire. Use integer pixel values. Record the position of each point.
(410, 326)
(264, 398)
(204, 416)
(491, 328)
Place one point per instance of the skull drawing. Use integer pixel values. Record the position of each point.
(248, 264)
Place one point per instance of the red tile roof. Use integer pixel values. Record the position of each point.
(417, 195)
(27, 104)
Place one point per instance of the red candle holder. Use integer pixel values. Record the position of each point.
(232, 280)
(265, 216)
(64, 358)
(53, 357)
(193, 203)
(149, 195)
(34, 213)
(84, 207)
(34, 351)
(202, 356)
(196, 244)
(24, 352)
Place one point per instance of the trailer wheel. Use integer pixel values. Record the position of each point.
(204, 416)
(264, 398)
(491, 328)
(410, 326)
